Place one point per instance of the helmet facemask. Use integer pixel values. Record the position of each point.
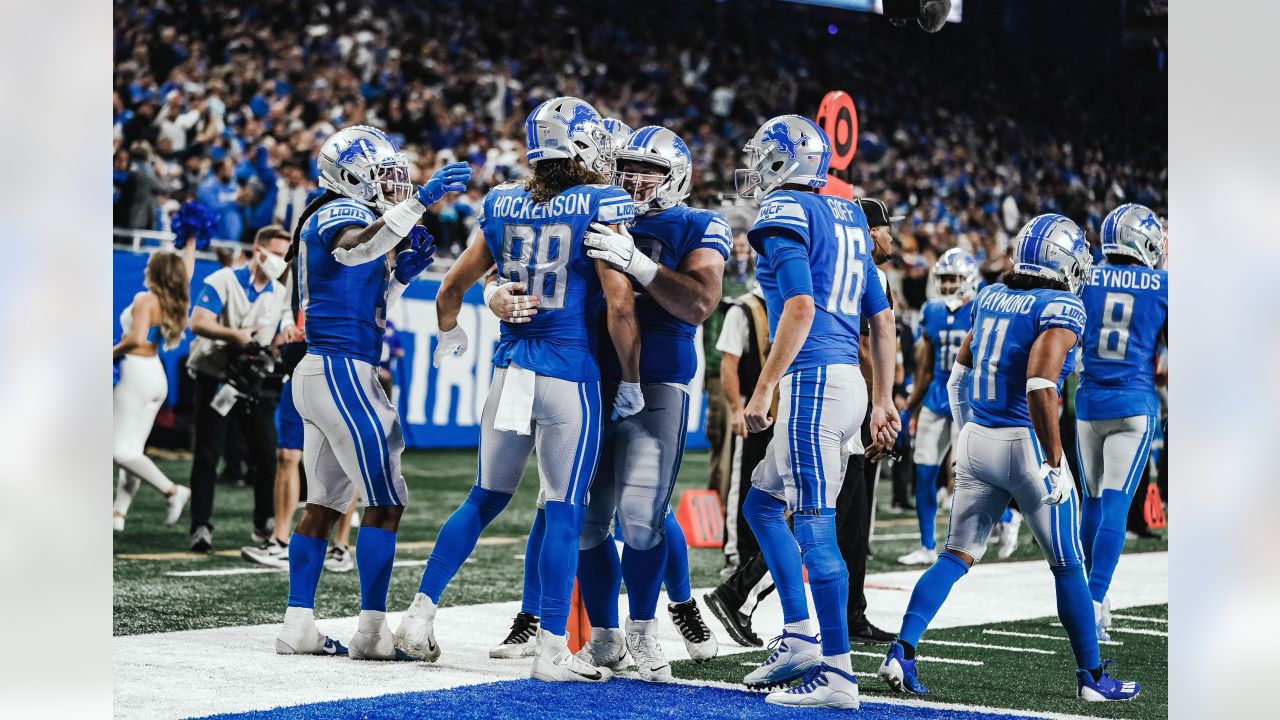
(644, 180)
(391, 181)
(951, 290)
(761, 176)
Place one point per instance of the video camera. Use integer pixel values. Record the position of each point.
(251, 370)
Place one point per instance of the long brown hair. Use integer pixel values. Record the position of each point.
(167, 280)
(553, 176)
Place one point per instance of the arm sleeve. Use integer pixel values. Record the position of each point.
(718, 236)
(733, 335)
(790, 263)
(874, 299)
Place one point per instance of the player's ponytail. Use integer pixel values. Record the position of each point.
(553, 176)
(1023, 281)
(312, 207)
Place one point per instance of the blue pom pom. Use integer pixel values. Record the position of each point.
(194, 220)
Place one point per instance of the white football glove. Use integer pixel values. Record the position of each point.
(452, 342)
(628, 401)
(1059, 480)
(619, 250)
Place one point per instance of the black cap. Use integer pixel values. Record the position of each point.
(878, 214)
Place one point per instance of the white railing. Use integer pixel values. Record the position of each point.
(150, 241)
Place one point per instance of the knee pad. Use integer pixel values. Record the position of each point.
(642, 535)
(488, 503)
(817, 537)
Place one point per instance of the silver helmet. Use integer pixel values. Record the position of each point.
(787, 149)
(618, 131)
(963, 268)
(569, 128)
(362, 163)
(668, 183)
(1052, 247)
(1135, 231)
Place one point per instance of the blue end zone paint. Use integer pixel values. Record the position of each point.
(616, 699)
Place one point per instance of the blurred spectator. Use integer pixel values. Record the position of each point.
(221, 193)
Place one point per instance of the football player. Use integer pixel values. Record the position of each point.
(641, 454)
(818, 278)
(943, 325)
(545, 391)
(1003, 394)
(350, 428)
(1117, 409)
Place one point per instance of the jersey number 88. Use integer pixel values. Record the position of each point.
(537, 257)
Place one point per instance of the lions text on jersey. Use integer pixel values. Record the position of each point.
(1006, 324)
(834, 234)
(1128, 310)
(541, 245)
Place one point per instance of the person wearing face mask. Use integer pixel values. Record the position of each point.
(234, 309)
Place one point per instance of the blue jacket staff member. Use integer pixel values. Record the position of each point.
(233, 309)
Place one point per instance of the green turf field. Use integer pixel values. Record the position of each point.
(1006, 679)
(147, 599)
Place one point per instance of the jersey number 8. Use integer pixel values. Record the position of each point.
(1117, 315)
(538, 257)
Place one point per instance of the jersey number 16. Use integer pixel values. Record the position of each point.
(846, 286)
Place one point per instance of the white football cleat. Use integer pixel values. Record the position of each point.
(823, 686)
(117, 522)
(416, 635)
(270, 553)
(339, 559)
(793, 655)
(1009, 536)
(373, 639)
(642, 643)
(920, 556)
(177, 501)
(522, 641)
(698, 640)
(554, 662)
(299, 635)
(607, 648)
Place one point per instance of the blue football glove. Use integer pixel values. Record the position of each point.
(421, 253)
(450, 178)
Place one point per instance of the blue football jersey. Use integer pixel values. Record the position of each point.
(1128, 307)
(835, 235)
(945, 331)
(345, 306)
(667, 352)
(541, 246)
(1006, 324)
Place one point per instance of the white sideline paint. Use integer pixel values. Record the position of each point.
(1039, 636)
(255, 571)
(1004, 648)
(879, 656)
(235, 669)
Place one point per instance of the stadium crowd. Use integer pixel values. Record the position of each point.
(225, 103)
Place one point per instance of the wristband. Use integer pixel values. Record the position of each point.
(489, 291)
(642, 269)
(402, 216)
(1039, 383)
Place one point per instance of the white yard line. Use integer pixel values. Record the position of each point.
(256, 570)
(1038, 636)
(1005, 648)
(895, 536)
(923, 658)
(1139, 618)
(1138, 631)
(235, 669)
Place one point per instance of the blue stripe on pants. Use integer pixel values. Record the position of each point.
(379, 434)
(351, 428)
(368, 437)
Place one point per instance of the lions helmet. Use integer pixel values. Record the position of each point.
(1052, 247)
(362, 163)
(955, 278)
(569, 128)
(1135, 231)
(786, 149)
(668, 182)
(618, 131)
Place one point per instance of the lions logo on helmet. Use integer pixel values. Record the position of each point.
(955, 278)
(619, 131)
(1134, 231)
(1052, 247)
(656, 168)
(569, 128)
(787, 150)
(362, 163)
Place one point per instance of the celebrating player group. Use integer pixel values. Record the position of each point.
(600, 275)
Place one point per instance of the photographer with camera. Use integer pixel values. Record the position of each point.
(239, 315)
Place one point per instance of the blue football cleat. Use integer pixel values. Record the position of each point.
(900, 673)
(333, 647)
(1105, 688)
